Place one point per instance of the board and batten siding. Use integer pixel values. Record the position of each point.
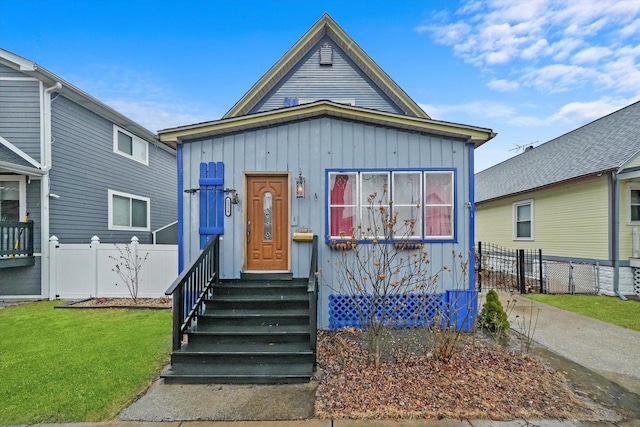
(311, 81)
(312, 146)
(20, 113)
(85, 167)
(570, 221)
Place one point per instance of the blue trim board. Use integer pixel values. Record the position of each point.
(472, 220)
(180, 208)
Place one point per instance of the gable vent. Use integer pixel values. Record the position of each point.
(326, 54)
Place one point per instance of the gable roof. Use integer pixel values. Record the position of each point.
(471, 134)
(68, 90)
(325, 26)
(604, 145)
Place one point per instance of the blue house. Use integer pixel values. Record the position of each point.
(294, 158)
(72, 167)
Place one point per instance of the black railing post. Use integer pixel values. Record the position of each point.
(479, 266)
(312, 290)
(521, 275)
(177, 318)
(540, 269)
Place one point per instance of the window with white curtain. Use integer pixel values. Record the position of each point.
(421, 200)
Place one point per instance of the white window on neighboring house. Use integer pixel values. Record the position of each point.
(129, 145)
(633, 203)
(523, 220)
(13, 198)
(128, 212)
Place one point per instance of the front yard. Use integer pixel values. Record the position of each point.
(72, 365)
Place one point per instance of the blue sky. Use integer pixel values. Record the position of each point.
(530, 70)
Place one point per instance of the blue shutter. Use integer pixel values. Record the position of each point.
(211, 200)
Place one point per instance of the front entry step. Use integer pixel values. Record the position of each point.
(251, 332)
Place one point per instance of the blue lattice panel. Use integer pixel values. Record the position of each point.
(398, 311)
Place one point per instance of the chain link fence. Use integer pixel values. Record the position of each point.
(524, 271)
(570, 278)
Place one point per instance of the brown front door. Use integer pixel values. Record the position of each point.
(267, 228)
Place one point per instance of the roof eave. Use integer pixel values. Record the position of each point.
(470, 134)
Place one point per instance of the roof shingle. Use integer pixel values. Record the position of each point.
(603, 145)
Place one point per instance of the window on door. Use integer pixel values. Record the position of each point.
(12, 198)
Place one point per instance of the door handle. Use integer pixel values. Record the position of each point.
(248, 231)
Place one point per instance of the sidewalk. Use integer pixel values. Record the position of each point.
(606, 349)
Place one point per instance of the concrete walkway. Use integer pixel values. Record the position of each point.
(603, 348)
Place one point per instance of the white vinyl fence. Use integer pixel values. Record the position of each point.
(81, 271)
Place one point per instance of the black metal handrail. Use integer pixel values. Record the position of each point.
(16, 238)
(192, 286)
(312, 290)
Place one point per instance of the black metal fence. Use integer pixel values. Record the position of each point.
(511, 270)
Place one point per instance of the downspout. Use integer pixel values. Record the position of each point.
(615, 249)
(45, 161)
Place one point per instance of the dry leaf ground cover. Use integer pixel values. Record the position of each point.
(479, 381)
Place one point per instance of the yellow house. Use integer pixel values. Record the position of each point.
(576, 197)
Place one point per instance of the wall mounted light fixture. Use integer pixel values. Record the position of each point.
(300, 186)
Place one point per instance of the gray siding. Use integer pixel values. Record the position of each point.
(20, 114)
(85, 168)
(342, 80)
(21, 281)
(34, 211)
(10, 72)
(313, 146)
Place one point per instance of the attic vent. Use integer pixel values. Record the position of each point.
(326, 54)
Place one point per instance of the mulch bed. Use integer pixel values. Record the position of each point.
(478, 382)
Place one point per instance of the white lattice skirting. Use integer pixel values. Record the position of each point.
(636, 281)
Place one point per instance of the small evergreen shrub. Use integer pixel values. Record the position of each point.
(492, 315)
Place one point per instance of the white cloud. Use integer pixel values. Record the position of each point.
(156, 116)
(591, 54)
(558, 77)
(630, 29)
(481, 109)
(503, 85)
(583, 112)
(545, 42)
(142, 96)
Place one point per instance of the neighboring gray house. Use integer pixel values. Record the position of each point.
(72, 167)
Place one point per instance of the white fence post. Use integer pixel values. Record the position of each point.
(53, 267)
(134, 253)
(95, 243)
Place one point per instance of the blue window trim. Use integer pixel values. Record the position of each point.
(356, 170)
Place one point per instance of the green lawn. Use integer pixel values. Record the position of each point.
(73, 365)
(608, 309)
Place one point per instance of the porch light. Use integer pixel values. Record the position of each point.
(300, 186)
